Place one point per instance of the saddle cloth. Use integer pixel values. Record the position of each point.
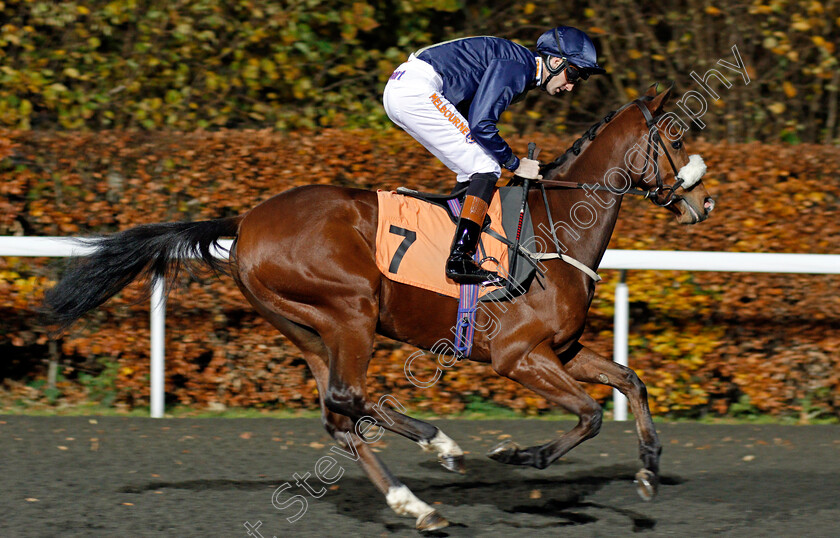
(413, 239)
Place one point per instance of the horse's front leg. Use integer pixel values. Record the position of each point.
(587, 366)
(542, 372)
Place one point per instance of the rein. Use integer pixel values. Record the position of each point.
(592, 187)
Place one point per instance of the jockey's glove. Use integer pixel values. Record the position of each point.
(528, 169)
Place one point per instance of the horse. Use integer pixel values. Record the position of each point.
(305, 261)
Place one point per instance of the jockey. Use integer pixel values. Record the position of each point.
(450, 96)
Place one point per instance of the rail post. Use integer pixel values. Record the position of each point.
(157, 315)
(620, 333)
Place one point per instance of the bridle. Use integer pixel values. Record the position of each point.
(654, 143)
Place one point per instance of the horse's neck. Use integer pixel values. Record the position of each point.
(583, 221)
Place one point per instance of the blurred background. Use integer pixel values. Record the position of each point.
(184, 65)
(118, 113)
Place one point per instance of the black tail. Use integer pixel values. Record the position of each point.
(160, 250)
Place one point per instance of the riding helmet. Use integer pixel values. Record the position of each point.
(572, 44)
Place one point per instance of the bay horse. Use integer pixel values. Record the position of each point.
(305, 260)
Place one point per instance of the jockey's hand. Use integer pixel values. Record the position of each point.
(528, 169)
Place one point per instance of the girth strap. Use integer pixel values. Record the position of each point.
(532, 257)
(568, 259)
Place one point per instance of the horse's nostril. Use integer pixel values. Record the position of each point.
(709, 204)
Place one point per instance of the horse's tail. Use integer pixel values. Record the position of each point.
(151, 250)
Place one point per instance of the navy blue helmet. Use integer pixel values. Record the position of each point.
(572, 44)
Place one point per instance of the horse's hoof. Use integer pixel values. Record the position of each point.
(504, 452)
(646, 484)
(431, 522)
(453, 463)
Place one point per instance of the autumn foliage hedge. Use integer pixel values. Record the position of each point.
(703, 342)
(157, 64)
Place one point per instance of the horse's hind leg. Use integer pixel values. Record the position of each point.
(587, 366)
(345, 349)
(450, 455)
(430, 438)
(342, 428)
(398, 496)
(351, 348)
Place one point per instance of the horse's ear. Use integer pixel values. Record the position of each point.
(651, 91)
(659, 100)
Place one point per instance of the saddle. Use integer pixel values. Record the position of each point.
(434, 198)
(444, 200)
(415, 230)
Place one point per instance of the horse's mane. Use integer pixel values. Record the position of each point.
(589, 135)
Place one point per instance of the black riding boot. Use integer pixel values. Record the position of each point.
(460, 266)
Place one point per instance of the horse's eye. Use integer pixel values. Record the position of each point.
(677, 145)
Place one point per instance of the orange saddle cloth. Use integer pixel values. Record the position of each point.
(413, 239)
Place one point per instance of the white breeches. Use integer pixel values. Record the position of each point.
(413, 100)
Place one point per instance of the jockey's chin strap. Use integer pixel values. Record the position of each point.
(552, 71)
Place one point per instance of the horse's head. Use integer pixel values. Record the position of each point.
(641, 147)
(661, 165)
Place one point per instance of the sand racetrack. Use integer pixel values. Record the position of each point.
(114, 476)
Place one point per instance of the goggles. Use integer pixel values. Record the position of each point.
(574, 73)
